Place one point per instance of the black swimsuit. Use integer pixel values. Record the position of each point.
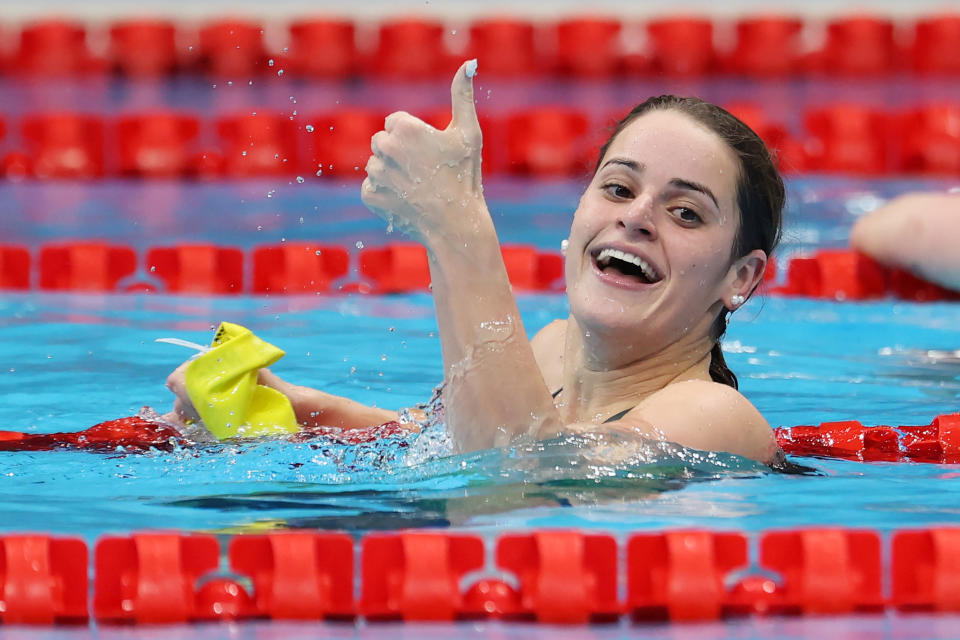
(615, 416)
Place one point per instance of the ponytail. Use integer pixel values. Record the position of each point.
(719, 371)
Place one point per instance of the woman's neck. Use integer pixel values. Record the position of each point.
(600, 377)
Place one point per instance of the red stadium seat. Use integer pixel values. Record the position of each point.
(232, 48)
(589, 47)
(767, 46)
(936, 45)
(258, 145)
(64, 145)
(53, 48)
(504, 46)
(156, 145)
(787, 151)
(547, 141)
(847, 138)
(682, 46)
(323, 48)
(411, 49)
(198, 269)
(930, 140)
(339, 144)
(861, 45)
(143, 48)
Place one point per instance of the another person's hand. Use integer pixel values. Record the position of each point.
(424, 181)
(917, 231)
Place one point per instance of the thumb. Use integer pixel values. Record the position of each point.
(461, 96)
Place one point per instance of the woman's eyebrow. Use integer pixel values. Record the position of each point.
(695, 186)
(630, 164)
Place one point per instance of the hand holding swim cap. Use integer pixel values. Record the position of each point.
(427, 182)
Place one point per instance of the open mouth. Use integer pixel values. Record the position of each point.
(621, 263)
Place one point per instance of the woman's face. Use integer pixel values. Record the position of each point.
(651, 241)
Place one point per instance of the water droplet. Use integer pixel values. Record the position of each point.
(359, 244)
(270, 62)
(300, 180)
(259, 227)
(280, 73)
(309, 128)
(319, 172)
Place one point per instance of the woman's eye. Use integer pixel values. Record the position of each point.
(687, 215)
(618, 190)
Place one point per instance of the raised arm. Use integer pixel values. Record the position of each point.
(916, 231)
(427, 183)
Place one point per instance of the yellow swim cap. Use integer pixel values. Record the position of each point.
(222, 384)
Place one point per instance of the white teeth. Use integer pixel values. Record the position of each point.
(606, 254)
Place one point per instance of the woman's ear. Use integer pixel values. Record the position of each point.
(745, 274)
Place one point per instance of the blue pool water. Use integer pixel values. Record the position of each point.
(69, 361)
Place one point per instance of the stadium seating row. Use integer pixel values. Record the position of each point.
(421, 48)
(545, 141)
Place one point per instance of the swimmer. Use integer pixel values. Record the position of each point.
(917, 232)
(671, 235)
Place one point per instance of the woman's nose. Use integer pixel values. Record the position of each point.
(637, 219)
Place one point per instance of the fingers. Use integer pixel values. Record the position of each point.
(376, 143)
(461, 97)
(390, 123)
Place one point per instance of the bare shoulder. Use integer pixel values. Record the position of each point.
(547, 347)
(709, 416)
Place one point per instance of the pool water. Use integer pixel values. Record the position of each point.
(75, 360)
(72, 360)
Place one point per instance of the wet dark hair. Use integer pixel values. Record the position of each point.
(760, 191)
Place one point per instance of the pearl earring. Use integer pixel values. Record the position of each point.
(736, 300)
(563, 246)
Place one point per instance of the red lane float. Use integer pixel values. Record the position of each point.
(43, 580)
(416, 576)
(562, 576)
(150, 578)
(298, 268)
(842, 274)
(938, 442)
(680, 575)
(14, 268)
(297, 575)
(417, 48)
(565, 577)
(85, 266)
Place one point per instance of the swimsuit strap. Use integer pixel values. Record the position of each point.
(615, 416)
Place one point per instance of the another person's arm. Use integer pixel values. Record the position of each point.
(919, 232)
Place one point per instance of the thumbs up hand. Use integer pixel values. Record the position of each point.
(424, 181)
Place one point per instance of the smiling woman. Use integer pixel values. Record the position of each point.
(672, 233)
